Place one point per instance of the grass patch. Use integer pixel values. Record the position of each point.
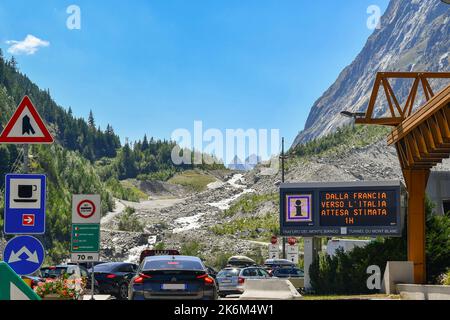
(345, 138)
(249, 203)
(255, 228)
(192, 248)
(134, 190)
(124, 190)
(193, 179)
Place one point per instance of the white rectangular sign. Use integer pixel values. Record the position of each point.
(293, 257)
(85, 257)
(274, 251)
(292, 249)
(86, 209)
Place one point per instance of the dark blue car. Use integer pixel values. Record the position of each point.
(113, 278)
(172, 277)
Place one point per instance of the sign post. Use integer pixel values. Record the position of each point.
(274, 250)
(24, 213)
(292, 253)
(85, 238)
(292, 250)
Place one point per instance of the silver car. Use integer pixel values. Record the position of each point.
(231, 280)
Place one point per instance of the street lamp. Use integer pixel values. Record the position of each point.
(353, 115)
(283, 157)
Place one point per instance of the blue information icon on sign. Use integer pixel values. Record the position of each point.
(24, 254)
(25, 204)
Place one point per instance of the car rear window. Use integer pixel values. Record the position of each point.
(229, 273)
(53, 272)
(250, 273)
(168, 264)
(105, 267)
(287, 272)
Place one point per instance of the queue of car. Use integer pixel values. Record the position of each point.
(169, 275)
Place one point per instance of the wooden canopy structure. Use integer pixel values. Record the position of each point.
(422, 140)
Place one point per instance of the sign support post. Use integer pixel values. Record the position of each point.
(283, 157)
(92, 281)
(312, 248)
(25, 159)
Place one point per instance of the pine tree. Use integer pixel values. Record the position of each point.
(13, 63)
(91, 121)
(145, 144)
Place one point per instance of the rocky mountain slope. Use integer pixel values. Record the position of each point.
(414, 36)
(241, 204)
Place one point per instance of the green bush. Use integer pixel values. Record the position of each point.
(160, 246)
(129, 222)
(250, 202)
(438, 246)
(219, 260)
(345, 273)
(192, 248)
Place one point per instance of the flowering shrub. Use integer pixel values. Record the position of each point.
(64, 287)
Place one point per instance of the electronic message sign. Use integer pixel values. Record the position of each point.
(347, 208)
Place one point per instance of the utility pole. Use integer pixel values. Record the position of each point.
(283, 157)
(26, 161)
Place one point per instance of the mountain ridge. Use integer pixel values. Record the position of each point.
(414, 36)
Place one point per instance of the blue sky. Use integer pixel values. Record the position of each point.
(150, 67)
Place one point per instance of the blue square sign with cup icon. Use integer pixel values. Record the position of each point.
(25, 204)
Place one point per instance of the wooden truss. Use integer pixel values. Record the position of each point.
(399, 112)
(422, 139)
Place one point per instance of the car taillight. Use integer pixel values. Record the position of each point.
(140, 279)
(207, 279)
(111, 276)
(241, 280)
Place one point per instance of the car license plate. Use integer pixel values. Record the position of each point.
(173, 286)
(226, 281)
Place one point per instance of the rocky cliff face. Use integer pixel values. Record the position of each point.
(414, 36)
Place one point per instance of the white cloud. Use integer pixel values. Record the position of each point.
(30, 45)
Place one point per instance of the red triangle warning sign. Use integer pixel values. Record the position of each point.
(26, 126)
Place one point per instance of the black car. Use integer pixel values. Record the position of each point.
(173, 277)
(211, 272)
(113, 278)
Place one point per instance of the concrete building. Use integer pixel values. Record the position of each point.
(438, 190)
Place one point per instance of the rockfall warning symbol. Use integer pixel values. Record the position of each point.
(26, 126)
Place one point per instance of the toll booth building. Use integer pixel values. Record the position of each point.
(438, 190)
